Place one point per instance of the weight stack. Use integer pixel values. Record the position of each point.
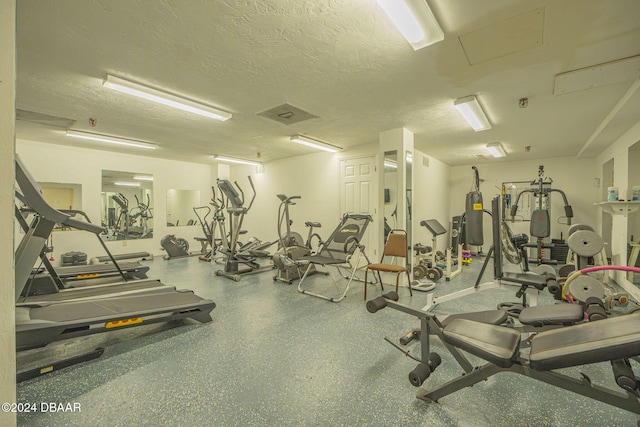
(560, 250)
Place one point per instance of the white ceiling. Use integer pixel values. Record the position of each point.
(340, 60)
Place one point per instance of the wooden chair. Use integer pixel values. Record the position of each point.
(396, 246)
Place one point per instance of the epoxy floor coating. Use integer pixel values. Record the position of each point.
(275, 357)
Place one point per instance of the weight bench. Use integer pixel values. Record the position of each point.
(613, 340)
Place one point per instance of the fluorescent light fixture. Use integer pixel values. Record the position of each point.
(162, 97)
(314, 143)
(110, 139)
(143, 178)
(234, 160)
(414, 20)
(390, 164)
(127, 184)
(496, 149)
(470, 109)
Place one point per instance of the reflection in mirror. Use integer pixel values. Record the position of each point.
(127, 205)
(390, 181)
(633, 223)
(180, 204)
(607, 220)
(63, 197)
(408, 181)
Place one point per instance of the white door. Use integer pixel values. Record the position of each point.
(358, 195)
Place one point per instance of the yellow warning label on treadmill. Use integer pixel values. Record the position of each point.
(123, 322)
(477, 206)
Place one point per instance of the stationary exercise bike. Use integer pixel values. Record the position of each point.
(292, 248)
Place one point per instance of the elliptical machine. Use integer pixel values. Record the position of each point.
(292, 247)
(240, 259)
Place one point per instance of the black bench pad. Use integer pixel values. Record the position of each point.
(495, 344)
(559, 314)
(492, 317)
(534, 280)
(593, 342)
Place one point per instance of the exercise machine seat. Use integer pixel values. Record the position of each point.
(592, 342)
(537, 281)
(559, 314)
(313, 224)
(492, 317)
(495, 344)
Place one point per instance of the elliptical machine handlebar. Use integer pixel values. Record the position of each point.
(253, 197)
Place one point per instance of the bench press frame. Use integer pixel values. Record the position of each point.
(474, 374)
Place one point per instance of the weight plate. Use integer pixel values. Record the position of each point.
(584, 287)
(579, 227)
(419, 271)
(585, 243)
(566, 270)
(434, 274)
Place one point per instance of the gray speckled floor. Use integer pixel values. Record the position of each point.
(273, 356)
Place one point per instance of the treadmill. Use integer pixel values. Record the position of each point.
(48, 280)
(43, 319)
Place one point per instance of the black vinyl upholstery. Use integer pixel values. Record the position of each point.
(495, 344)
(604, 340)
(492, 317)
(559, 314)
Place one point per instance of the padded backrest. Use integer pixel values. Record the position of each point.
(396, 244)
(540, 223)
(341, 243)
(609, 339)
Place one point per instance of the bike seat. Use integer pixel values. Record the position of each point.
(313, 224)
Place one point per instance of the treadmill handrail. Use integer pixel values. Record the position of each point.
(33, 196)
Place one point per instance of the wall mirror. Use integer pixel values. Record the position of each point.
(607, 220)
(127, 205)
(64, 197)
(180, 205)
(390, 196)
(633, 221)
(409, 180)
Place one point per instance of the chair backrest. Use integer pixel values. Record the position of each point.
(396, 245)
(341, 244)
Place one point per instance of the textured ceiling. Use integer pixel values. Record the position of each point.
(339, 60)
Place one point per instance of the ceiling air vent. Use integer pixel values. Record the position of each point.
(286, 114)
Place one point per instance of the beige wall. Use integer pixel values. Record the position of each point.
(7, 142)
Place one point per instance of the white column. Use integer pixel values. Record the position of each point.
(7, 150)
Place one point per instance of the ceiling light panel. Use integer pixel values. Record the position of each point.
(314, 143)
(111, 139)
(470, 109)
(235, 160)
(414, 19)
(161, 97)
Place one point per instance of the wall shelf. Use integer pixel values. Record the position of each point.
(619, 208)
